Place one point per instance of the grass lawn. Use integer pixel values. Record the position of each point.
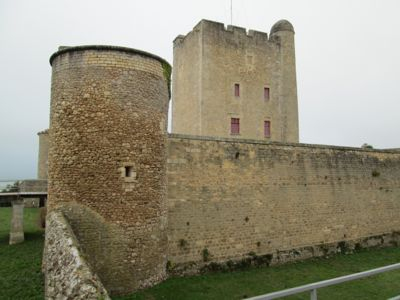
(21, 278)
(242, 284)
(20, 274)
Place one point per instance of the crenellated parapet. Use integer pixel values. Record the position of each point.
(228, 32)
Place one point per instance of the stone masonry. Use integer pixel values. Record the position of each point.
(43, 154)
(68, 275)
(208, 63)
(138, 202)
(107, 159)
(233, 197)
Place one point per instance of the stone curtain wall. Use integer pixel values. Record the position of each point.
(34, 185)
(228, 198)
(68, 276)
(107, 159)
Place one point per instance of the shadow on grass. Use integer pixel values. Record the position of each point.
(32, 236)
(4, 238)
(29, 236)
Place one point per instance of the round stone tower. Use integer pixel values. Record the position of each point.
(107, 159)
(43, 154)
(282, 32)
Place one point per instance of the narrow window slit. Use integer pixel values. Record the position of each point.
(267, 129)
(237, 90)
(266, 93)
(128, 171)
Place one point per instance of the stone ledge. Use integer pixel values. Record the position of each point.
(46, 131)
(106, 48)
(301, 145)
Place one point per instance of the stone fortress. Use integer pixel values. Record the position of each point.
(129, 204)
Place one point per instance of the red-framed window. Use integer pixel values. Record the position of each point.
(237, 90)
(235, 125)
(267, 128)
(266, 93)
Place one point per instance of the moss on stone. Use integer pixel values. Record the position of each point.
(167, 70)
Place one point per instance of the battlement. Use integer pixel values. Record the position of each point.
(45, 131)
(217, 28)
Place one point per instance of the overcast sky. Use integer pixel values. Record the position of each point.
(347, 51)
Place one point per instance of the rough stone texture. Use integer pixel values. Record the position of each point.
(228, 198)
(233, 197)
(33, 185)
(107, 160)
(68, 275)
(211, 59)
(17, 222)
(43, 154)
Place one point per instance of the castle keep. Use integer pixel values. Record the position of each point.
(127, 201)
(229, 83)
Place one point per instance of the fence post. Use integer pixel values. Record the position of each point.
(313, 294)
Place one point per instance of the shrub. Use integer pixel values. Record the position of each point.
(206, 254)
(183, 243)
(375, 173)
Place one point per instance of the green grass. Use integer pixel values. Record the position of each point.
(21, 278)
(20, 273)
(242, 284)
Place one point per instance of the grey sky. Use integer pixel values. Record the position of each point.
(347, 51)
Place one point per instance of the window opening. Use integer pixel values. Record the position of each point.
(235, 125)
(128, 171)
(267, 128)
(266, 93)
(237, 90)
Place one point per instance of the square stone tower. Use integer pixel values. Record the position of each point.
(233, 83)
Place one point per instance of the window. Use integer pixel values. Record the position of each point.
(128, 171)
(266, 93)
(267, 128)
(235, 125)
(237, 90)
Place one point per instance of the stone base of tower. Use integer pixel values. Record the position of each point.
(108, 249)
(67, 273)
(81, 235)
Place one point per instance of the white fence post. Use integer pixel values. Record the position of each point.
(313, 295)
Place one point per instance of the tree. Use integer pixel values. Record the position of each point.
(11, 187)
(367, 146)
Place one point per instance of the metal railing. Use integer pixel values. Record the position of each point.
(312, 287)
